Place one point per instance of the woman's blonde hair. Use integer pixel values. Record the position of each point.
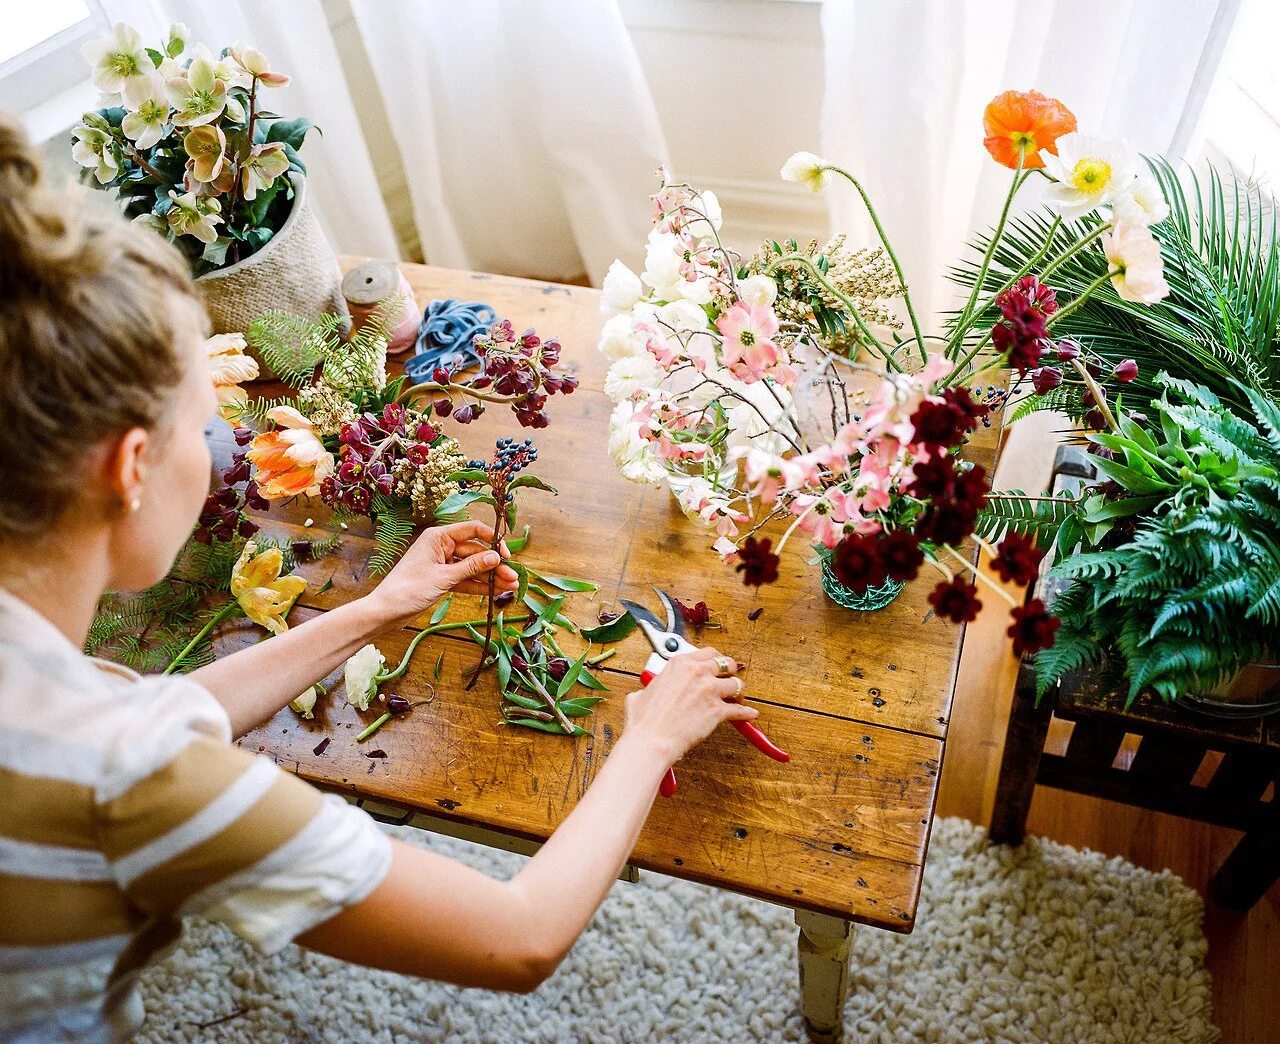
(88, 344)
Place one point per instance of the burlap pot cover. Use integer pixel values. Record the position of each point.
(297, 271)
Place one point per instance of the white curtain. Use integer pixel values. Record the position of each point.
(526, 129)
(906, 83)
(296, 39)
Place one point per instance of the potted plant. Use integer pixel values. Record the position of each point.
(185, 140)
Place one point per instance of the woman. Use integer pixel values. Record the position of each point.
(124, 806)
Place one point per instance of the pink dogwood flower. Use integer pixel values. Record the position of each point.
(749, 351)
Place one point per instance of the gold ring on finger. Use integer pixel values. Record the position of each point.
(724, 667)
(740, 688)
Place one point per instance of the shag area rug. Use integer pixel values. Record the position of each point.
(1038, 943)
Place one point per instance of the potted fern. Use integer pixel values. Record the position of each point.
(185, 141)
(1170, 566)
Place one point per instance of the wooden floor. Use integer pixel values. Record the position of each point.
(1244, 950)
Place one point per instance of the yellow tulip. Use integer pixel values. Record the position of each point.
(263, 594)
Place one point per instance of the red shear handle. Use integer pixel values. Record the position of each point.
(668, 785)
(752, 734)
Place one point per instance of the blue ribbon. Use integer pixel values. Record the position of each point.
(445, 337)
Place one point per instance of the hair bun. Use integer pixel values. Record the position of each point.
(36, 240)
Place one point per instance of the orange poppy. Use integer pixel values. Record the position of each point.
(1022, 123)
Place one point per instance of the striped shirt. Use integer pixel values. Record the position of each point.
(124, 808)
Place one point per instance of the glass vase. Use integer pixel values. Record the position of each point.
(682, 475)
(867, 601)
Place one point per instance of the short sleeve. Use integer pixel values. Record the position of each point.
(210, 829)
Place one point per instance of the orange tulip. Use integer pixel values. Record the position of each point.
(291, 459)
(1021, 123)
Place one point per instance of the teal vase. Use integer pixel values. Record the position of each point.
(867, 601)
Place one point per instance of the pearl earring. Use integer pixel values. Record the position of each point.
(135, 503)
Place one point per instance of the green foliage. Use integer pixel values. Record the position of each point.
(393, 529)
(1180, 572)
(1013, 511)
(1219, 326)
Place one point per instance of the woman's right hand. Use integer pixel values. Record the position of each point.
(684, 703)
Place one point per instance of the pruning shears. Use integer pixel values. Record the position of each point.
(669, 639)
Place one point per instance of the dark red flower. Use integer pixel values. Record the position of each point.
(243, 436)
(971, 488)
(901, 555)
(1045, 379)
(931, 478)
(1018, 560)
(956, 600)
(1027, 293)
(426, 432)
(756, 562)
(1023, 351)
(1032, 628)
(696, 616)
(857, 562)
(970, 410)
(937, 424)
(1068, 349)
(945, 523)
(1125, 371)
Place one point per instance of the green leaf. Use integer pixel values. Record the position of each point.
(521, 700)
(441, 610)
(457, 503)
(216, 252)
(554, 727)
(579, 707)
(291, 132)
(1133, 481)
(517, 544)
(567, 583)
(613, 631)
(570, 678)
(533, 482)
(469, 475)
(589, 681)
(439, 667)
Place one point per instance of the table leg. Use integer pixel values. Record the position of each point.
(823, 945)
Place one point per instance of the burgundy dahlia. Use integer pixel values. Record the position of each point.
(956, 600)
(756, 562)
(1018, 560)
(857, 562)
(901, 555)
(1032, 628)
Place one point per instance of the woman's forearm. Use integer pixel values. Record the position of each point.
(255, 683)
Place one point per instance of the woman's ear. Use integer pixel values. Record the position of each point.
(125, 469)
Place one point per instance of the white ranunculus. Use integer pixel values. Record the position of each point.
(684, 316)
(663, 256)
(1137, 267)
(1141, 202)
(1087, 172)
(636, 458)
(619, 338)
(758, 290)
(756, 421)
(699, 291)
(629, 375)
(621, 289)
(305, 704)
(361, 673)
(804, 168)
(709, 218)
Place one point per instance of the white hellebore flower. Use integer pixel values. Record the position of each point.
(663, 257)
(627, 376)
(1137, 267)
(177, 39)
(619, 338)
(199, 96)
(758, 290)
(1142, 202)
(804, 168)
(636, 458)
(119, 64)
(190, 215)
(305, 704)
(94, 148)
(621, 289)
(1087, 172)
(361, 674)
(145, 124)
(264, 164)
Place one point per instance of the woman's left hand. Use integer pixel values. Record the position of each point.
(445, 558)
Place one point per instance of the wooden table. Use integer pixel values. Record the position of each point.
(861, 701)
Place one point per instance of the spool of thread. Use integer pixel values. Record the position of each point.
(367, 286)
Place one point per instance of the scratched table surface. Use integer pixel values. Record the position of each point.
(860, 700)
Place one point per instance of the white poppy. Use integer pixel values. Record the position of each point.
(804, 168)
(1142, 202)
(1137, 267)
(1087, 172)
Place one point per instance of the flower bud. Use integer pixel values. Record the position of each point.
(1068, 350)
(1125, 371)
(1045, 379)
(397, 704)
(558, 667)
